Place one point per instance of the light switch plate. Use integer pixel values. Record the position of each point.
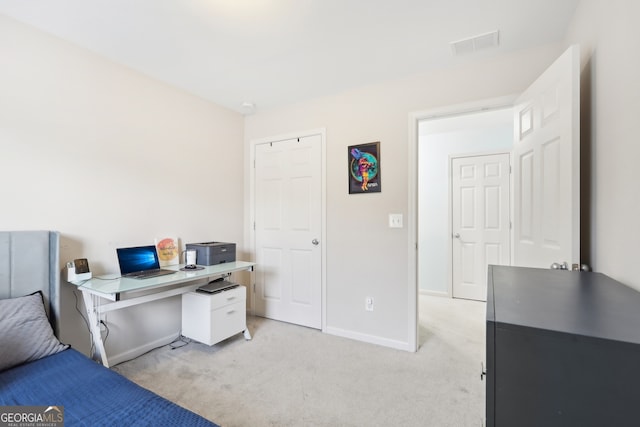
(395, 220)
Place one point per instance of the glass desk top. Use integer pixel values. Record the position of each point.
(109, 287)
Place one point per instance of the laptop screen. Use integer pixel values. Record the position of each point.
(137, 259)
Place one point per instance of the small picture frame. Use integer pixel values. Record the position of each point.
(168, 251)
(364, 168)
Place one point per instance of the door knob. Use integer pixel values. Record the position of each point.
(315, 242)
(560, 266)
(457, 235)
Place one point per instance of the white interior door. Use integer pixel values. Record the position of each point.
(480, 221)
(288, 221)
(546, 167)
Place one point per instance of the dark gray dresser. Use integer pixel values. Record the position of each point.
(563, 349)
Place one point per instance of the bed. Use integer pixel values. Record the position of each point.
(37, 370)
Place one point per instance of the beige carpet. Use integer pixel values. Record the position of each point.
(294, 376)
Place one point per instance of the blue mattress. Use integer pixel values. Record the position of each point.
(91, 394)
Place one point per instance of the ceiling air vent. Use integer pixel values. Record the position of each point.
(476, 43)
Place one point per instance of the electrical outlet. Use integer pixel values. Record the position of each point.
(395, 220)
(368, 304)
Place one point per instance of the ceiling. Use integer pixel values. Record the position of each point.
(277, 52)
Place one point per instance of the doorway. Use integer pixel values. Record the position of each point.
(546, 116)
(439, 139)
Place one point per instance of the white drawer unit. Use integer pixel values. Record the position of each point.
(211, 318)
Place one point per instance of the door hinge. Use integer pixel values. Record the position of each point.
(254, 226)
(254, 288)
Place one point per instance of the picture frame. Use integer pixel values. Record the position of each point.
(168, 251)
(364, 168)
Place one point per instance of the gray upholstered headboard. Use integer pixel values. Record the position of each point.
(30, 262)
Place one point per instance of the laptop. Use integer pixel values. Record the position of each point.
(216, 286)
(140, 262)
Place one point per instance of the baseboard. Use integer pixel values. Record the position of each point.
(434, 293)
(371, 339)
(138, 351)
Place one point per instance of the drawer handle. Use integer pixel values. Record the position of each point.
(230, 298)
(231, 311)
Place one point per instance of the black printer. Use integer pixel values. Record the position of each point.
(213, 253)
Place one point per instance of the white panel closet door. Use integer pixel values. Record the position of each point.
(480, 221)
(288, 228)
(546, 167)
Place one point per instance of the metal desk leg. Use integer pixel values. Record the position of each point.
(247, 334)
(94, 327)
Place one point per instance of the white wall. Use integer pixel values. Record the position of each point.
(438, 139)
(111, 158)
(608, 33)
(364, 256)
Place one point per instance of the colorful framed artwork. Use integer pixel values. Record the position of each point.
(364, 168)
(167, 249)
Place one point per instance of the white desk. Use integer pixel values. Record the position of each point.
(125, 292)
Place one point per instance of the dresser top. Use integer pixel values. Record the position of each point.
(587, 304)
